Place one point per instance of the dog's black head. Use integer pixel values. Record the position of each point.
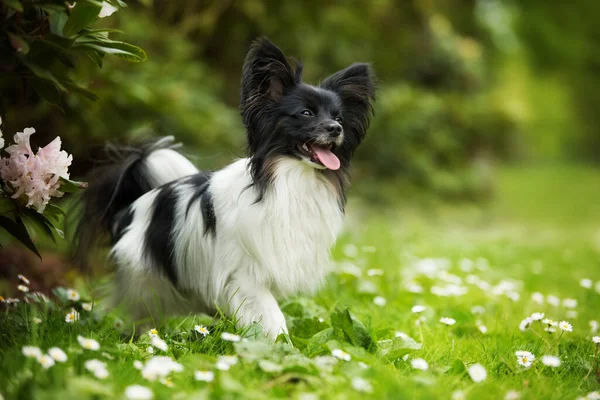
(320, 125)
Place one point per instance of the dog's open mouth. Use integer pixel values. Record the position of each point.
(320, 154)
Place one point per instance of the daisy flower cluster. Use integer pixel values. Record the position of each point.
(31, 177)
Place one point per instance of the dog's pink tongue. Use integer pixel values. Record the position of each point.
(326, 157)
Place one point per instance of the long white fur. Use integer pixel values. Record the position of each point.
(262, 251)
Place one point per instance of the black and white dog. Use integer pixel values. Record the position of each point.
(257, 230)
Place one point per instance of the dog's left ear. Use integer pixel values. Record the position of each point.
(356, 87)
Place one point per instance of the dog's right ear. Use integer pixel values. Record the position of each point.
(267, 74)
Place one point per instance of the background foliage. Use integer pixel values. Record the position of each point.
(462, 84)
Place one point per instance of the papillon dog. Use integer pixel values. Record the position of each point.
(260, 229)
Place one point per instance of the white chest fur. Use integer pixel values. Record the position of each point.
(283, 241)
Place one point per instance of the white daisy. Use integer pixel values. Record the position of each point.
(37, 320)
(362, 385)
(525, 358)
(159, 343)
(419, 363)
(549, 322)
(57, 354)
(525, 324)
(137, 364)
(159, 367)
(152, 332)
(23, 288)
(458, 395)
(565, 326)
(596, 339)
(482, 328)
(593, 395)
(447, 321)
(72, 316)
(512, 395)
(204, 376)
(150, 350)
(46, 361)
(551, 361)
(86, 306)
(94, 364)
(569, 303)
(477, 372)
(166, 381)
(341, 354)
(418, 309)
(87, 343)
(402, 335)
(537, 297)
(380, 301)
(538, 316)
(478, 309)
(118, 324)
(550, 329)
(137, 392)
(594, 326)
(73, 295)
(32, 352)
(375, 272)
(230, 337)
(586, 283)
(553, 300)
(23, 279)
(202, 330)
(572, 314)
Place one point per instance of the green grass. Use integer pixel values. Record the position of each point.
(541, 233)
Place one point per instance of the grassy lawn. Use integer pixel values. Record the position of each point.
(478, 265)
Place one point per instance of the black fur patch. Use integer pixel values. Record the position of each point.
(123, 220)
(159, 243)
(201, 183)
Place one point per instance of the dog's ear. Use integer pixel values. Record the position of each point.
(356, 87)
(267, 73)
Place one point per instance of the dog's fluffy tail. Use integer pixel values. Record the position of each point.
(128, 173)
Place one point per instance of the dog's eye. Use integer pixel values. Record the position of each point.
(308, 113)
(339, 120)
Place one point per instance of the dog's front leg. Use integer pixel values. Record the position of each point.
(251, 302)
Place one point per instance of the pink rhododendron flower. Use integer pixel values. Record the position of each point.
(34, 178)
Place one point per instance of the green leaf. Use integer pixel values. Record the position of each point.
(318, 343)
(396, 348)
(69, 186)
(16, 4)
(253, 350)
(7, 205)
(44, 74)
(97, 58)
(47, 91)
(82, 15)
(19, 231)
(73, 87)
(58, 21)
(36, 222)
(54, 213)
(349, 328)
(19, 44)
(120, 49)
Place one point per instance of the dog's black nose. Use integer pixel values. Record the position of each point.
(334, 129)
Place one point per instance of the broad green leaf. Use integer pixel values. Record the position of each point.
(82, 15)
(73, 87)
(396, 348)
(58, 21)
(47, 91)
(318, 343)
(7, 205)
(18, 230)
(348, 328)
(36, 222)
(44, 74)
(69, 186)
(96, 57)
(120, 49)
(54, 214)
(19, 44)
(16, 4)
